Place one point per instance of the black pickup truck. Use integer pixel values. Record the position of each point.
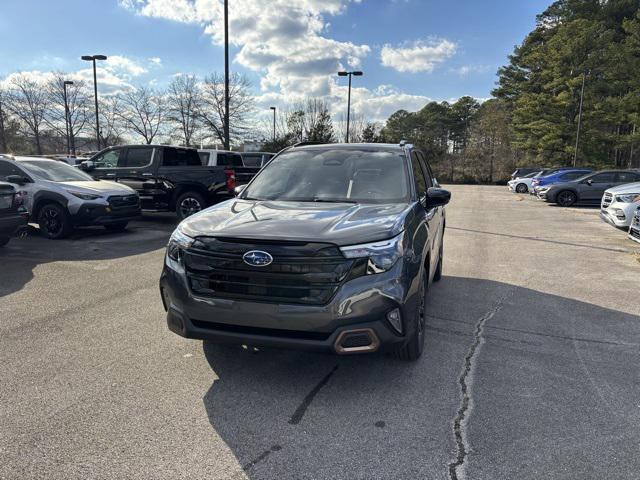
(166, 178)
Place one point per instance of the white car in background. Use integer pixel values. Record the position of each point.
(522, 184)
(619, 204)
(634, 229)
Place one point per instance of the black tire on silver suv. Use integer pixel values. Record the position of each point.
(189, 203)
(54, 221)
(414, 346)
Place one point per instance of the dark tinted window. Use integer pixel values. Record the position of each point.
(139, 157)
(252, 159)
(7, 168)
(204, 157)
(421, 184)
(229, 159)
(606, 177)
(628, 177)
(572, 175)
(427, 171)
(180, 157)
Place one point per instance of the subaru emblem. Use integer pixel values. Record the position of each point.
(257, 258)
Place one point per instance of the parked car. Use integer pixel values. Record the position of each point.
(634, 229)
(521, 172)
(330, 248)
(13, 214)
(541, 184)
(256, 159)
(521, 184)
(61, 196)
(589, 189)
(234, 160)
(166, 178)
(619, 204)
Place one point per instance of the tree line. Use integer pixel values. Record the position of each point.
(37, 116)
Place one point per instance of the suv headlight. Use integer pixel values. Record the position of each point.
(178, 242)
(628, 198)
(84, 196)
(382, 255)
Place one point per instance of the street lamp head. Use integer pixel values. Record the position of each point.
(68, 82)
(343, 74)
(357, 73)
(272, 108)
(100, 57)
(88, 58)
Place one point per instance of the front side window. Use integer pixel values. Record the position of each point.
(7, 168)
(54, 171)
(139, 157)
(110, 159)
(333, 175)
(606, 177)
(421, 184)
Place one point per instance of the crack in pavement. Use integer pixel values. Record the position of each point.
(456, 468)
(296, 418)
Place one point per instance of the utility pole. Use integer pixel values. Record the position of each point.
(67, 119)
(575, 152)
(93, 58)
(274, 123)
(227, 141)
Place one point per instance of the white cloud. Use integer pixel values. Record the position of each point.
(420, 56)
(286, 41)
(124, 66)
(466, 70)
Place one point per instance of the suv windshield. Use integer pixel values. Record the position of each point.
(54, 171)
(333, 175)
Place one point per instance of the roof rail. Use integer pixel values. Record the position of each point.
(302, 144)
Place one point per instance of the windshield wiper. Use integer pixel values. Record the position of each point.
(330, 200)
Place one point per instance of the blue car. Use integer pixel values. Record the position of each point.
(540, 185)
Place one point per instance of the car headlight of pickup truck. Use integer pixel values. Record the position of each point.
(84, 196)
(628, 198)
(382, 255)
(178, 242)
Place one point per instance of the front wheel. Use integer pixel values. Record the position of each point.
(54, 221)
(566, 198)
(522, 188)
(413, 348)
(189, 203)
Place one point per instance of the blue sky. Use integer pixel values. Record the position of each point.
(410, 50)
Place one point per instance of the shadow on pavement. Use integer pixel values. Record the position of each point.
(549, 375)
(21, 255)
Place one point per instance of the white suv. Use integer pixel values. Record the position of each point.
(60, 196)
(619, 204)
(634, 229)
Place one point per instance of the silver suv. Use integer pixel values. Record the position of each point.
(60, 196)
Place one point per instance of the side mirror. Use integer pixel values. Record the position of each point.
(87, 165)
(239, 189)
(18, 179)
(437, 197)
(589, 182)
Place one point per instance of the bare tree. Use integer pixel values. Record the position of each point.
(183, 104)
(111, 124)
(240, 105)
(142, 112)
(3, 118)
(357, 124)
(28, 101)
(78, 103)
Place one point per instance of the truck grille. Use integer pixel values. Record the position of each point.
(607, 198)
(124, 201)
(301, 273)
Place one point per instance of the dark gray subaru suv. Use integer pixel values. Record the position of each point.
(330, 247)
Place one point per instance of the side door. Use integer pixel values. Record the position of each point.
(592, 189)
(107, 164)
(434, 214)
(136, 168)
(425, 232)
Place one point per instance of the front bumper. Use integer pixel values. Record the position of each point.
(619, 214)
(359, 305)
(96, 214)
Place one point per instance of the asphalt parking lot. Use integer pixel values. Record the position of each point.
(530, 368)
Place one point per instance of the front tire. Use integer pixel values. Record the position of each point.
(414, 346)
(189, 203)
(522, 188)
(54, 221)
(566, 198)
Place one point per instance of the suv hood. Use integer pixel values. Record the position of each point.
(336, 223)
(626, 188)
(103, 188)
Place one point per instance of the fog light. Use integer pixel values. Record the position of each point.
(395, 319)
(619, 213)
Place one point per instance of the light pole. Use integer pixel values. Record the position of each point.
(357, 73)
(274, 123)
(93, 58)
(575, 152)
(67, 120)
(226, 75)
